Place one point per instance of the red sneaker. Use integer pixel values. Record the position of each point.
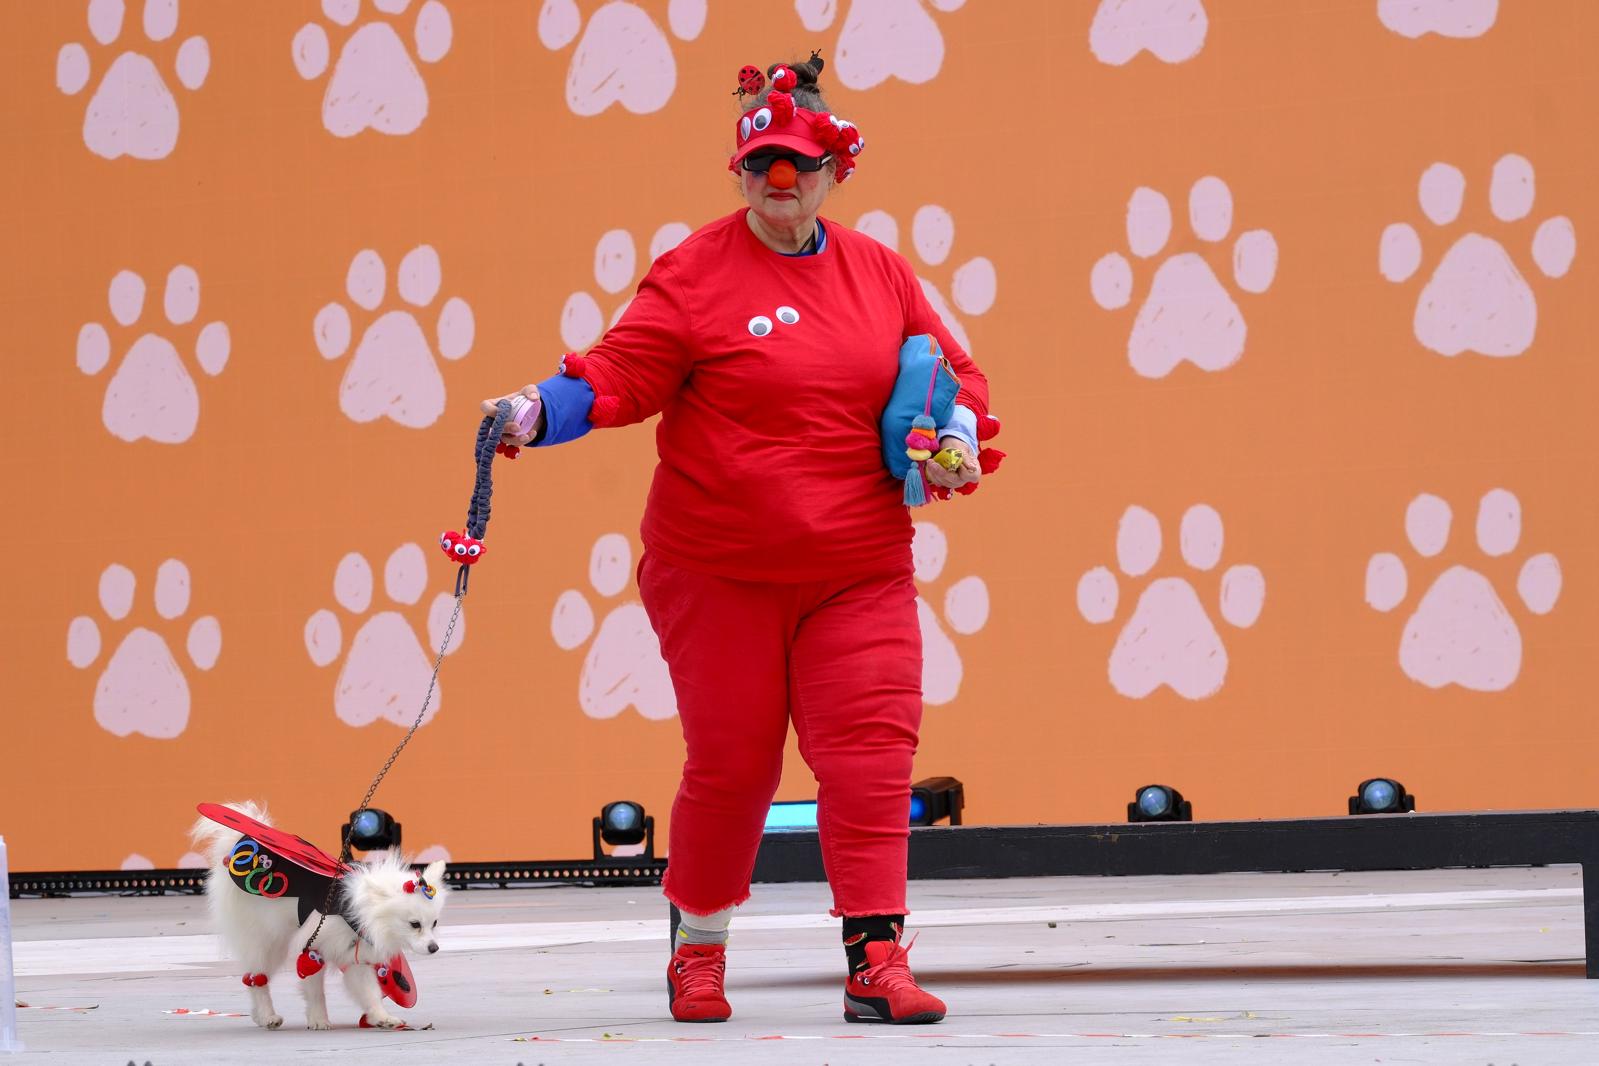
(885, 991)
(694, 983)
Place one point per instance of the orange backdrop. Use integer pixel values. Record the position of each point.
(1285, 306)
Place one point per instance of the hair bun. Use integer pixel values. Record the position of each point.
(805, 74)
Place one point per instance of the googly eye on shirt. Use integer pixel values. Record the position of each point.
(760, 325)
(787, 315)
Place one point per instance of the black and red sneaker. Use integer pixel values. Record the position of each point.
(694, 983)
(885, 991)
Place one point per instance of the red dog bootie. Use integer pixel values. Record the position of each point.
(694, 979)
(885, 991)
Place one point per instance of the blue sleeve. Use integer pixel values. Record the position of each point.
(566, 409)
(963, 426)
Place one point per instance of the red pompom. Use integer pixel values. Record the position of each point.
(510, 451)
(782, 105)
(255, 980)
(605, 411)
(750, 79)
(784, 80)
(309, 963)
(842, 169)
(461, 548)
(572, 365)
(988, 459)
(988, 428)
(848, 140)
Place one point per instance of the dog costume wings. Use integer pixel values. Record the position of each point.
(272, 863)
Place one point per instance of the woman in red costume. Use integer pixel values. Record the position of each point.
(777, 564)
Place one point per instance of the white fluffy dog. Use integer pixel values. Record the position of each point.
(263, 926)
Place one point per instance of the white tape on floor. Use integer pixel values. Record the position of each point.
(39, 958)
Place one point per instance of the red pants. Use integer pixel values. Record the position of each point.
(843, 659)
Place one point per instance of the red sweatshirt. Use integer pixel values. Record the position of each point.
(771, 463)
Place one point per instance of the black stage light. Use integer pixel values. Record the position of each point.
(1159, 803)
(935, 799)
(371, 829)
(1381, 795)
(624, 823)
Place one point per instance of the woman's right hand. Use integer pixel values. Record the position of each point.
(511, 436)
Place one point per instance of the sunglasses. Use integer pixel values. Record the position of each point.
(762, 162)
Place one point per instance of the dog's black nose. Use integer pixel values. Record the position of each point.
(432, 948)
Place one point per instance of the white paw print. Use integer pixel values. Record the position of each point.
(375, 85)
(623, 57)
(615, 264)
(394, 373)
(881, 39)
(973, 285)
(1477, 301)
(151, 394)
(1173, 31)
(1461, 633)
(623, 667)
(1170, 639)
(965, 610)
(142, 688)
(1446, 18)
(1188, 314)
(132, 112)
(386, 669)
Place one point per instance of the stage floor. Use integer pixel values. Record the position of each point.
(1459, 966)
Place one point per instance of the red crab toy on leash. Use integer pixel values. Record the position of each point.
(462, 549)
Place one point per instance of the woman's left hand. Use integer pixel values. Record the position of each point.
(968, 472)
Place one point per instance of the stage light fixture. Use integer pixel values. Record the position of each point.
(1381, 795)
(936, 798)
(623, 823)
(1159, 803)
(371, 829)
(790, 814)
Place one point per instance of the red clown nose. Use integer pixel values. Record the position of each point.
(782, 174)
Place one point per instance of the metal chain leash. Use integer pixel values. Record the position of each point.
(477, 522)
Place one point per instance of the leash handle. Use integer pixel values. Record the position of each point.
(477, 510)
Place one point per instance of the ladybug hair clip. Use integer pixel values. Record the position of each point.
(420, 885)
(462, 548)
(750, 80)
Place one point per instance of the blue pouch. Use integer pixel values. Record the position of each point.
(923, 399)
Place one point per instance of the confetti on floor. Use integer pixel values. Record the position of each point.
(35, 1006)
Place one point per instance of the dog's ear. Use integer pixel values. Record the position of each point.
(434, 873)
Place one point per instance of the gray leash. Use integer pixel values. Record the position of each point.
(477, 521)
